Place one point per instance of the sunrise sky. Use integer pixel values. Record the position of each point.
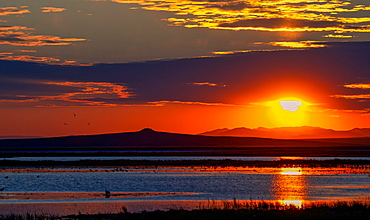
(72, 67)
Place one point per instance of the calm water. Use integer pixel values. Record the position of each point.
(174, 158)
(287, 185)
(206, 185)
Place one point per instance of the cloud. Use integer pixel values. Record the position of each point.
(281, 23)
(162, 103)
(41, 59)
(207, 84)
(13, 11)
(26, 51)
(250, 51)
(299, 44)
(69, 94)
(10, 56)
(24, 36)
(21, 36)
(338, 36)
(52, 9)
(361, 96)
(314, 75)
(289, 15)
(287, 24)
(358, 86)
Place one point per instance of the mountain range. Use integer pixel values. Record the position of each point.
(155, 139)
(148, 142)
(304, 132)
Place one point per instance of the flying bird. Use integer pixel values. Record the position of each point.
(2, 189)
(74, 114)
(65, 123)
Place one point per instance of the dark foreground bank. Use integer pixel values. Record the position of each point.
(230, 210)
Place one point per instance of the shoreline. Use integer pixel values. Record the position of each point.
(174, 209)
(206, 162)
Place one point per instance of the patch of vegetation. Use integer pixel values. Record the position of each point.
(231, 210)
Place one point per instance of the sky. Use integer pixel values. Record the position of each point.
(72, 67)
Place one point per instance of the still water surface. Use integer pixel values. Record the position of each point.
(245, 158)
(28, 189)
(286, 185)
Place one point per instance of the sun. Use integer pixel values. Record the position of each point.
(290, 105)
(288, 111)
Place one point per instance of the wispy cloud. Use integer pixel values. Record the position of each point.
(280, 15)
(339, 36)
(363, 86)
(22, 36)
(299, 44)
(358, 86)
(207, 84)
(52, 9)
(249, 78)
(162, 103)
(361, 96)
(26, 51)
(13, 11)
(11, 56)
(41, 59)
(79, 94)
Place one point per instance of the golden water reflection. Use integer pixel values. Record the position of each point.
(290, 187)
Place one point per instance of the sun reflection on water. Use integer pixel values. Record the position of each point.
(290, 187)
(291, 171)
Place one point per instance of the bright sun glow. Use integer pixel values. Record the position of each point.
(291, 171)
(288, 111)
(290, 105)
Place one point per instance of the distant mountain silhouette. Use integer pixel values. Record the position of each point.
(150, 138)
(305, 132)
(18, 137)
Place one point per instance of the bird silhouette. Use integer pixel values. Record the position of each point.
(107, 194)
(65, 123)
(74, 114)
(88, 123)
(2, 189)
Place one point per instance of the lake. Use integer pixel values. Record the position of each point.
(69, 191)
(245, 158)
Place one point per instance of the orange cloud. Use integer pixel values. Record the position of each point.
(361, 96)
(339, 36)
(231, 52)
(250, 51)
(10, 56)
(29, 58)
(52, 9)
(26, 51)
(287, 15)
(12, 11)
(162, 103)
(86, 94)
(358, 86)
(207, 84)
(21, 36)
(299, 44)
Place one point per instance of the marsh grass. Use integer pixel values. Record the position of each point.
(29, 216)
(224, 210)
